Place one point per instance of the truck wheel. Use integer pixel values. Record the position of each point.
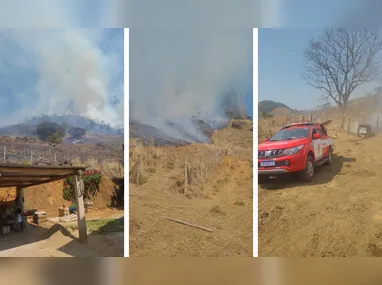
(329, 161)
(308, 173)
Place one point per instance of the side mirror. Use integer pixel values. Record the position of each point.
(317, 136)
(266, 140)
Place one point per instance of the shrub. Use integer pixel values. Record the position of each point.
(92, 180)
(49, 131)
(77, 133)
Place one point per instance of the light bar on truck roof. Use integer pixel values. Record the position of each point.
(298, 125)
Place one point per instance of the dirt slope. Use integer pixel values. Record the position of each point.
(220, 198)
(48, 197)
(338, 214)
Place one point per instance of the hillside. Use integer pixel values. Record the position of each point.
(28, 127)
(267, 106)
(217, 194)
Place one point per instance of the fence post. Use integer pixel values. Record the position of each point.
(55, 159)
(349, 125)
(5, 151)
(138, 165)
(185, 176)
(200, 163)
(377, 122)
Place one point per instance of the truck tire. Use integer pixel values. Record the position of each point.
(308, 173)
(330, 157)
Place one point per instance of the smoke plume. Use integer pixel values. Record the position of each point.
(47, 71)
(176, 74)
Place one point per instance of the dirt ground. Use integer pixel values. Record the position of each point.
(54, 240)
(338, 214)
(220, 200)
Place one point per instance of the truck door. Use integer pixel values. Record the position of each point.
(317, 145)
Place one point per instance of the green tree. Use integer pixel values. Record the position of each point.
(49, 131)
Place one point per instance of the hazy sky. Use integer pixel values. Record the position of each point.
(178, 73)
(41, 71)
(281, 65)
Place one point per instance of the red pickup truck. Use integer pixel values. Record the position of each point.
(298, 147)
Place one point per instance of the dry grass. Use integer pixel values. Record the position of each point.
(219, 174)
(111, 168)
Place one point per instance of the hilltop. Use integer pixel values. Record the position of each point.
(267, 106)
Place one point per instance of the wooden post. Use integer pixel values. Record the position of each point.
(5, 151)
(270, 133)
(20, 198)
(200, 166)
(137, 175)
(311, 117)
(185, 176)
(349, 125)
(81, 221)
(377, 122)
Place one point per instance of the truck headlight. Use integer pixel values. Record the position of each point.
(292, 150)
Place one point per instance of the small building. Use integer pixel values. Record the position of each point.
(23, 176)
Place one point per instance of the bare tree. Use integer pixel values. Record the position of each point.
(342, 60)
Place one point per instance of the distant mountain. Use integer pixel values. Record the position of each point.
(267, 106)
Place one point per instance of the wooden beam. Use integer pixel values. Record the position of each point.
(81, 221)
(8, 185)
(24, 178)
(15, 174)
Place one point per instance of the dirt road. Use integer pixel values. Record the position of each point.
(338, 214)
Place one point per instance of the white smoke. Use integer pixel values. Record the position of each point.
(62, 65)
(176, 74)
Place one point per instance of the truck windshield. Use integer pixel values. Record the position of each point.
(291, 134)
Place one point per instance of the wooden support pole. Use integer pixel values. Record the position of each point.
(20, 198)
(137, 175)
(81, 221)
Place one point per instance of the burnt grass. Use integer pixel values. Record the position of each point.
(18, 151)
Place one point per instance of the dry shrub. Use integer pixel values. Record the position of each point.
(112, 168)
(216, 210)
(142, 179)
(151, 170)
(238, 124)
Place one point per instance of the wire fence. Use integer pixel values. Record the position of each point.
(55, 155)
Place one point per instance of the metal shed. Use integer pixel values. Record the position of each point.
(23, 176)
